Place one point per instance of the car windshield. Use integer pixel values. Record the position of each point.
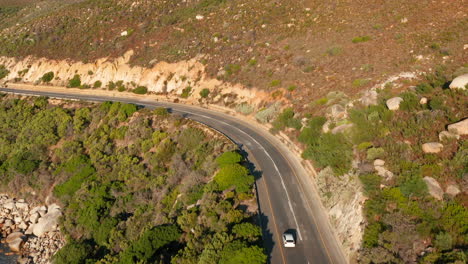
(290, 241)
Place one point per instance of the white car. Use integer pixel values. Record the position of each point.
(288, 240)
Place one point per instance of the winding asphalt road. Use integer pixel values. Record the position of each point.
(286, 196)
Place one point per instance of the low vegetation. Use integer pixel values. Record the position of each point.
(136, 186)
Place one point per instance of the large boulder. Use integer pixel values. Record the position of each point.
(459, 128)
(434, 188)
(49, 222)
(394, 103)
(15, 240)
(460, 82)
(445, 135)
(432, 147)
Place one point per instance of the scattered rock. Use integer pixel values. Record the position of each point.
(460, 82)
(369, 98)
(394, 103)
(124, 33)
(341, 128)
(379, 162)
(432, 147)
(423, 101)
(199, 17)
(459, 128)
(434, 188)
(14, 241)
(452, 190)
(384, 173)
(48, 222)
(447, 135)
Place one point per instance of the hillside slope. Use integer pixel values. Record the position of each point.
(316, 46)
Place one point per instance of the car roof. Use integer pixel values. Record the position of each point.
(288, 236)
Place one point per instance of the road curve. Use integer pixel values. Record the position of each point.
(287, 198)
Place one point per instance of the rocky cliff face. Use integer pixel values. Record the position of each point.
(162, 78)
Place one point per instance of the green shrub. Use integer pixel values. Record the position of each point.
(333, 51)
(85, 86)
(244, 108)
(111, 85)
(228, 158)
(140, 90)
(47, 77)
(375, 153)
(78, 169)
(320, 101)
(275, 83)
(232, 69)
(286, 119)
(247, 231)
(267, 114)
(90, 72)
(234, 175)
(146, 246)
(414, 185)
(292, 88)
(410, 102)
(331, 150)
(424, 88)
(252, 62)
(73, 253)
(364, 145)
(3, 71)
(121, 88)
(371, 235)
(371, 184)
(360, 82)
(204, 93)
(97, 84)
(311, 133)
(443, 241)
(436, 103)
(75, 82)
(161, 111)
(186, 92)
(361, 39)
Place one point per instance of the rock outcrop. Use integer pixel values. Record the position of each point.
(33, 233)
(459, 128)
(432, 147)
(460, 82)
(434, 188)
(394, 103)
(343, 198)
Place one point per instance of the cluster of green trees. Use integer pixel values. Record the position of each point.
(137, 186)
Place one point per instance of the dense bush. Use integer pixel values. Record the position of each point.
(234, 175)
(97, 84)
(204, 93)
(47, 77)
(140, 90)
(3, 71)
(331, 150)
(286, 119)
(75, 82)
